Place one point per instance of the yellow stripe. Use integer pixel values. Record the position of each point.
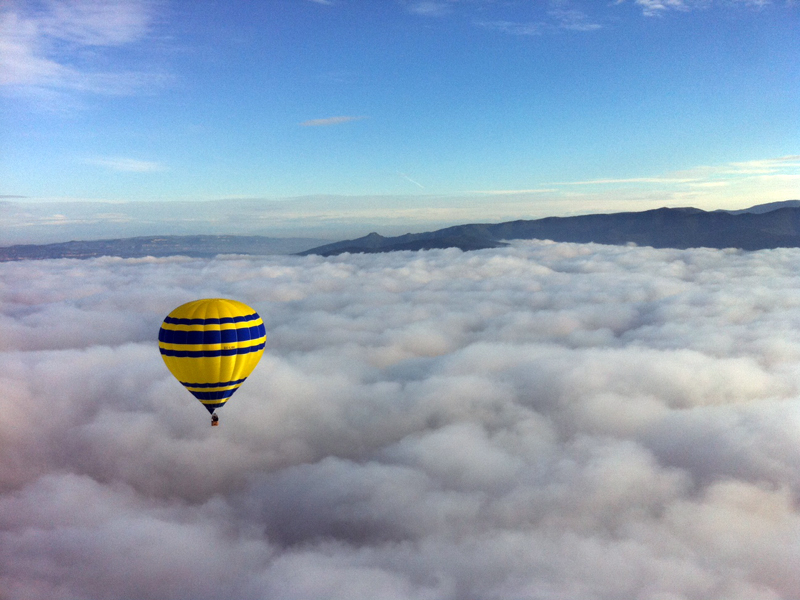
(199, 347)
(214, 327)
(213, 369)
(214, 389)
(211, 308)
(222, 401)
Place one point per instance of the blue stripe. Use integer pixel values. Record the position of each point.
(211, 353)
(211, 336)
(214, 395)
(211, 385)
(242, 319)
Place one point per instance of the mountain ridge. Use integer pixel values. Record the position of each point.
(686, 227)
(197, 246)
(763, 226)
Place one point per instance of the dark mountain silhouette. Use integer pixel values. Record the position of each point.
(752, 229)
(773, 225)
(769, 206)
(169, 245)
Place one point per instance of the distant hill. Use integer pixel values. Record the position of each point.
(769, 206)
(170, 245)
(773, 225)
(752, 229)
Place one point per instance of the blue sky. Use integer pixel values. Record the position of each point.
(566, 104)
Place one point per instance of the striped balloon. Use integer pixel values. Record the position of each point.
(211, 346)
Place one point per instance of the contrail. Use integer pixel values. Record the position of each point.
(404, 176)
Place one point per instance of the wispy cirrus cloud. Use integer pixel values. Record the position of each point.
(126, 165)
(628, 180)
(766, 166)
(557, 19)
(533, 19)
(552, 16)
(97, 22)
(573, 19)
(415, 182)
(655, 8)
(430, 8)
(328, 121)
(729, 185)
(514, 28)
(652, 8)
(783, 167)
(54, 51)
(515, 192)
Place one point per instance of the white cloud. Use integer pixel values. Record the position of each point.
(628, 180)
(769, 166)
(516, 192)
(130, 165)
(728, 185)
(430, 8)
(544, 420)
(560, 15)
(43, 49)
(574, 20)
(652, 8)
(515, 28)
(97, 22)
(657, 7)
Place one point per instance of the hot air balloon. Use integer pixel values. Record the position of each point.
(211, 346)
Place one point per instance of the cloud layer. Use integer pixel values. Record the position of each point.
(540, 421)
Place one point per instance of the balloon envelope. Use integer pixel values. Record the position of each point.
(211, 346)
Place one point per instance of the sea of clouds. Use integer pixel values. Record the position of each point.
(543, 421)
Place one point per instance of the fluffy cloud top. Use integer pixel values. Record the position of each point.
(540, 421)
